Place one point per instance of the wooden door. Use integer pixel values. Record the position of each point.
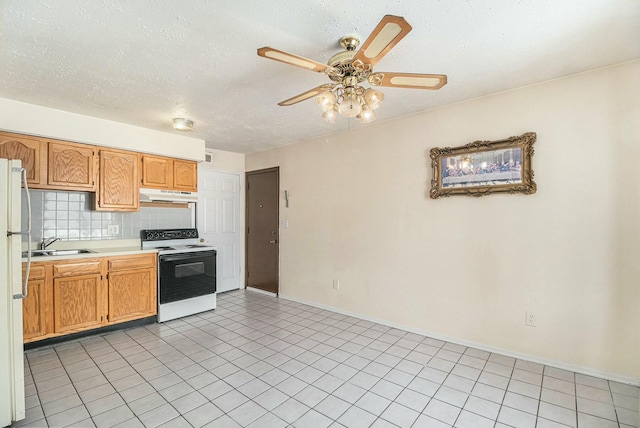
(185, 175)
(119, 185)
(219, 223)
(132, 294)
(131, 287)
(157, 172)
(36, 307)
(31, 151)
(262, 229)
(77, 303)
(71, 166)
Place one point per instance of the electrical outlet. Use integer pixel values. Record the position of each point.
(336, 284)
(113, 229)
(530, 319)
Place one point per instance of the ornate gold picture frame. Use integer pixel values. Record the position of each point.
(484, 167)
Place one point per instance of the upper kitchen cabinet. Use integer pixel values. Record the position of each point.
(185, 175)
(32, 151)
(119, 188)
(159, 172)
(71, 166)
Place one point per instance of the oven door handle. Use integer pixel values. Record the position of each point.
(186, 256)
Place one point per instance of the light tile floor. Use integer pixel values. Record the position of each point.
(259, 361)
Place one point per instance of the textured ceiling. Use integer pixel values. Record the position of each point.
(143, 62)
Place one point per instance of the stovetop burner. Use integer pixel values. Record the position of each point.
(164, 248)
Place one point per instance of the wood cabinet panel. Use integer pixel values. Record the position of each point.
(75, 268)
(77, 303)
(31, 151)
(157, 172)
(132, 287)
(36, 272)
(37, 306)
(185, 175)
(119, 188)
(71, 166)
(132, 294)
(34, 310)
(131, 262)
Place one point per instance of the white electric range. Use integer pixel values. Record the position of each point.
(186, 272)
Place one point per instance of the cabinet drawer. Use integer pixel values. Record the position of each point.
(84, 267)
(36, 272)
(131, 262)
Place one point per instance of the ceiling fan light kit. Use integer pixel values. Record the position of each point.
(350, 68)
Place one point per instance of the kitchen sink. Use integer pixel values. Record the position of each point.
(40, 253)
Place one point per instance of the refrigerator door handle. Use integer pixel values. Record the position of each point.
(26, 233)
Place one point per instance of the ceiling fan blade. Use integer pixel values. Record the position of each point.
(385, 36)
(287, 58)
(408, 80)
(308, 94)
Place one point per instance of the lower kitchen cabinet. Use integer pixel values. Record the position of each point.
(75, 295)
(131, 287)
(37, 306)
(77, 303)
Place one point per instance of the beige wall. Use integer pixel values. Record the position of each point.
(469, 268)
(226, 161)
(47, 122)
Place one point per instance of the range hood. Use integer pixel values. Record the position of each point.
(158, 195)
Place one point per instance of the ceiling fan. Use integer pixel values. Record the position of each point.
(349, 68)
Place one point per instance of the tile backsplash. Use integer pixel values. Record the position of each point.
(67, 215)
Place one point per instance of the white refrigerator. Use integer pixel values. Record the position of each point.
(12, 290)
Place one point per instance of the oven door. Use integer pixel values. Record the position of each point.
(186, 275)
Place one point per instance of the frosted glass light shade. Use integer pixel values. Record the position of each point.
(373, 98)
(182, 124)
(330, 115)
(326, 101)
(367, 115)
(350, 106)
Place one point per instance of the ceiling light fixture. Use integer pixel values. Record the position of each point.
(350, 68)
(182, 124)
(346, 96)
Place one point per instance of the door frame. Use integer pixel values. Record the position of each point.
(275, 169)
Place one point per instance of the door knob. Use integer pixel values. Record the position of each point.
(273, 241)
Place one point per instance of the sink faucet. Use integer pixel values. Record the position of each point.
(44, 244)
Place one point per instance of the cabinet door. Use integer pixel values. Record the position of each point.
(31, 151)
(34, 309)
(132, 294)
(71, 166)
(185, 175)
(37, 306)
(119, 185)
(77, 303)
(156, 172)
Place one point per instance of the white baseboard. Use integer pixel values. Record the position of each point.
(616, 377)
